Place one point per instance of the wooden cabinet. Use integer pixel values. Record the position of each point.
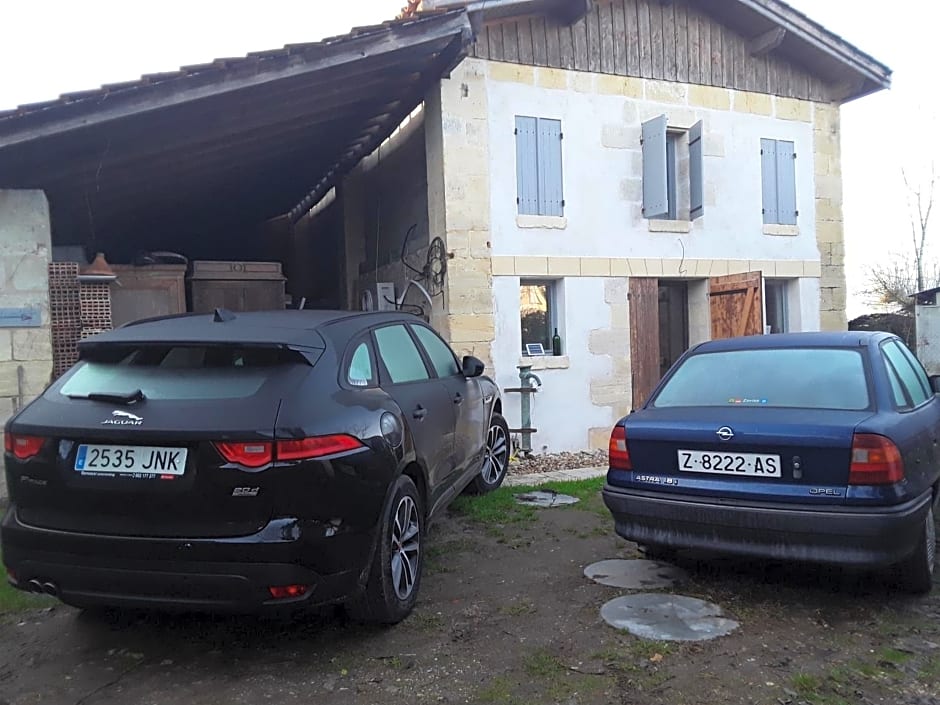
(237, 286)
(145, 292)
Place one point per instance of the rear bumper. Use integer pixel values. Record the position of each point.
(217, 575)
(847, 536)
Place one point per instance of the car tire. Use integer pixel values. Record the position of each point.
(495, 459)
(915, 573)
(395, 576)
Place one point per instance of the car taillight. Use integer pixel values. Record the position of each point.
(250, 455)
(316, 447)
(23, 447)
(259, 454)
(619, 453)
(283, 592)
(875, 461)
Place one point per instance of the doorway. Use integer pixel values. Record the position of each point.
(673, 322)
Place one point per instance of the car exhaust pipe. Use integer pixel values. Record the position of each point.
(50, 589)
(34, 586)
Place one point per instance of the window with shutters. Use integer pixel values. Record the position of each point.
(673, 176)
(539, 176)
(778, 182)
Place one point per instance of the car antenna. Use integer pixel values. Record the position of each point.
(223, 315)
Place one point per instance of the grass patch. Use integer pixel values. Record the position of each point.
(428, 621)
(519, 608)
(542, 664)
(500, 507)
(894, 657)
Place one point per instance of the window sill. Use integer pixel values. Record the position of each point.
(548, 362)
(781, 230)
(670, 226)
(550, 222)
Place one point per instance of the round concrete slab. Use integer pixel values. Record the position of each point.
(545, 499)
(667, 617)
(635, 574)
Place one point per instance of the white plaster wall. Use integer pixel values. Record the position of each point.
(803, 304)
(602, 184)
(562, 410)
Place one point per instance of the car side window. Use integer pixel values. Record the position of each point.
(919, 371)
(361, 370)
(400, 355)
(906, 372)
(442, 357)
(897, 390)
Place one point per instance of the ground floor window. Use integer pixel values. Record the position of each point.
(538, 314)
(777, 309)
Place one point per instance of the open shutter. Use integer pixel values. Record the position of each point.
(696, 175)
(786, 183)
(644, 338)
(736, 305)
(655, 179)
(527, 160)
(550, 197)
(768, 172)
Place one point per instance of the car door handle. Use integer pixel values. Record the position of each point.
(458, 399)
(420, 412)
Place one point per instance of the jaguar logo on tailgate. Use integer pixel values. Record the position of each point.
(123, 418)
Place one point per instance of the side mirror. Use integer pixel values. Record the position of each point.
(472, 366)
(935, 383)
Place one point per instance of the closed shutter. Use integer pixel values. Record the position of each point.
(696, 174)
(550, 190)
(527, 163)
(655, 180)
(786, 183)
(768, 170)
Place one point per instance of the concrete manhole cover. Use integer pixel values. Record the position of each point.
(545, 498)
(635, 574)
(667, 617)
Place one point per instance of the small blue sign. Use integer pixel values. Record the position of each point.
(20, 318)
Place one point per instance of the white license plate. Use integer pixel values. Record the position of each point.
(130, 460)
(752, 464)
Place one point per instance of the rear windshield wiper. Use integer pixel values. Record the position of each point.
(113, 397)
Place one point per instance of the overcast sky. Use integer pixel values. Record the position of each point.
(48, 47)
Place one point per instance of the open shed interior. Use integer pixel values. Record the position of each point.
(283, 178)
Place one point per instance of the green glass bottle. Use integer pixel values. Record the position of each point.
(556, 344)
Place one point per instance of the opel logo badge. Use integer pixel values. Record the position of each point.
(725, 433)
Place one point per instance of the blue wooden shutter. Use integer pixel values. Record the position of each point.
(786, 183)
(696, 173)
(527, 166)
(768, 171)
(655, 180)
(551, 196)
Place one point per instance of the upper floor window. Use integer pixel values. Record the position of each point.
(778, 182)
(539, 189)
(669, 154)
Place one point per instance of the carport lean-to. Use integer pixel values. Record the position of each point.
(201, 152)
(220, 161)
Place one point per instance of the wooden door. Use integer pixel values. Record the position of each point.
(644, 337)
(737, 306)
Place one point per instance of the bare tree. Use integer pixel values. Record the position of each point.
(891, 284)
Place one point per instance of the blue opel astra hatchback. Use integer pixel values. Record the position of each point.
(816, 447)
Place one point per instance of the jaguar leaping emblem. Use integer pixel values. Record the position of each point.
(123, 418)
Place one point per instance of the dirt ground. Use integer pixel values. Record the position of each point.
(505, 617)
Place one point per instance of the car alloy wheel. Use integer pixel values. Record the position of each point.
(497, 454)
(405, 548)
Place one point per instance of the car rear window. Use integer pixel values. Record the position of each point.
(801, 378)
(178, 372)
